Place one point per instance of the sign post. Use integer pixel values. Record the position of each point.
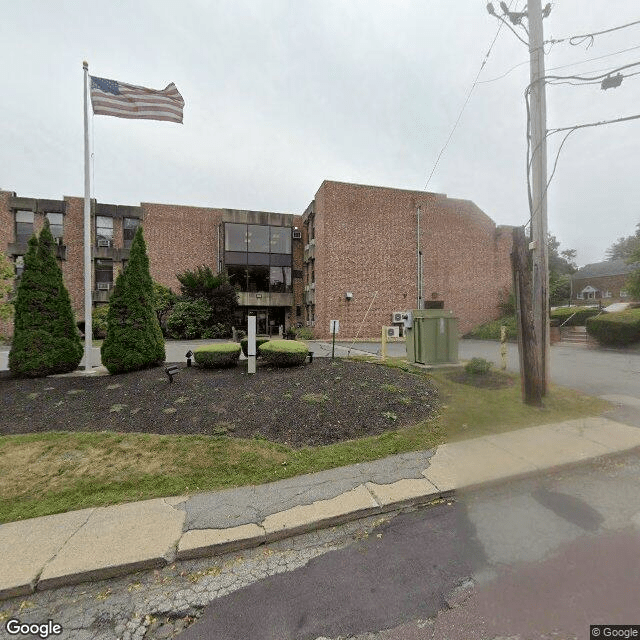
(251, 344)
(334, 328)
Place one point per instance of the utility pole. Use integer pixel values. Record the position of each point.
(538, 110)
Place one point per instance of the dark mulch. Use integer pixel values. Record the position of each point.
(489, 380)
(316, 404)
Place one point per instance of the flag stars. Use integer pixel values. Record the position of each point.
(108, 86)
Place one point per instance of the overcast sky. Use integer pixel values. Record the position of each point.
(282, 94)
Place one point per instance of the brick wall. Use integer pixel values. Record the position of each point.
(6, 236)
(366, 244)
(613, 284)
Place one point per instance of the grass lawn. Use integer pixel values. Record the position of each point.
(51, 472)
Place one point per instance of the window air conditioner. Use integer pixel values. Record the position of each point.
(393, 332)
(103, 286)
(297, 235)
(397, 317)
(104, 243)
(59, 240)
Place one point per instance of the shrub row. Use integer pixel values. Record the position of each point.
(244, 343)
(491, 330)
(617, 329)
(580, 315)
(278, 353)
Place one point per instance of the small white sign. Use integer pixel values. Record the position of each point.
(334, 326)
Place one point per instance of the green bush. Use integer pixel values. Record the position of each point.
(217, 331)
(189, 320)
(45, 339)
(617, 329)
(491, 330)
(99, 323)
(214, 356)
(244, 343)
(134, 339)
(477, 366)
(304, 333)
(578, 320)
(283, 353)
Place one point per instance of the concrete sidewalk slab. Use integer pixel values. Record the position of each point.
(404, 493)
(117, 540)
(28, 545)
(615, 436)
(467, 463)
(357, 503)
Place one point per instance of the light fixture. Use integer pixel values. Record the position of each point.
(349, 295)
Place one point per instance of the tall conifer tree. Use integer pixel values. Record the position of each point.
(45, 337)
(134, 338)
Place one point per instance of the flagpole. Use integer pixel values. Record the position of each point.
(88, 329)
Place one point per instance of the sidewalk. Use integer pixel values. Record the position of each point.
(97, 543)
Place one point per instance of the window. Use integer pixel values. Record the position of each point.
(129, 227)
(235, 237)
(298, 311)
(623, 293)
(104, 274)
(24, 226)
(280, 240)
(19, 264)
(237, 276)
(280, 279)
(257, 239)
(104, 231)
(257, 279)
(56, 221)
(606, 294)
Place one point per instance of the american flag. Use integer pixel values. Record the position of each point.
(113, 98)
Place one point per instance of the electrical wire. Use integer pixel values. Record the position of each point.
(473, 86)
(578, 40)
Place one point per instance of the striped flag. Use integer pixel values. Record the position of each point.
(113, 98)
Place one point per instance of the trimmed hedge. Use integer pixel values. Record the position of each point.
(244, 343)
(284, 353)
(578, 320)
(215, 356)
(617, 329)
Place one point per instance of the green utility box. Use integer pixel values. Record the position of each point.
(431, 336)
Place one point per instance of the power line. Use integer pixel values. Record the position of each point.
(578, 40)
(473, 86)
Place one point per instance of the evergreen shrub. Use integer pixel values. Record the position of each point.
(134, 339)
(578, 320)
(99, 317)
(214, 356)
(477, 366)
(244, 343)
(45, 337)
(618, 329)
(283, 353)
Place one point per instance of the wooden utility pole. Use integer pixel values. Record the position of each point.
(538, 128)
(528, 347)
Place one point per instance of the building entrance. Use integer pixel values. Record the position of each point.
(268, 319)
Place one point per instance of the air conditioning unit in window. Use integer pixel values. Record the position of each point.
(59, 240)
(297, 235)
(103, 286)
(102, 242)
(397, 317)
(393, 332)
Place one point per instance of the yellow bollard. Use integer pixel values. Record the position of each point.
(503, 346)
(383, 349)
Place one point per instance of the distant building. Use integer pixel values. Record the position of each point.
(352, 256)
(602, 282)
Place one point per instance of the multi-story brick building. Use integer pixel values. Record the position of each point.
(352, 256)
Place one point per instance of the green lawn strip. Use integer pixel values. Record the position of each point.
(42, 474)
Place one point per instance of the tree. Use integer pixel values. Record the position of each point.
(633, 282)
(45, 337)
(164, 300)
(561, 266)
(134, 339)
(216, 290)
(623, 248)
(6, 286)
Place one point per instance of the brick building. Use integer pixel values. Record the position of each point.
(602, 282)
(352, 256)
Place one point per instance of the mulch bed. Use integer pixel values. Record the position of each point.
(316, 404)
(489, 380)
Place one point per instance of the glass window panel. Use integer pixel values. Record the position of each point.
(104, 227)
(258, 279)
(280, 240)
(104, 271)
(259, 258)
(280, 279)
(24, 216)
(235, 237)
(235, 257)
(280, 260)
(129, 227)
(55, 224)
(257, 238)
(237, 277)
